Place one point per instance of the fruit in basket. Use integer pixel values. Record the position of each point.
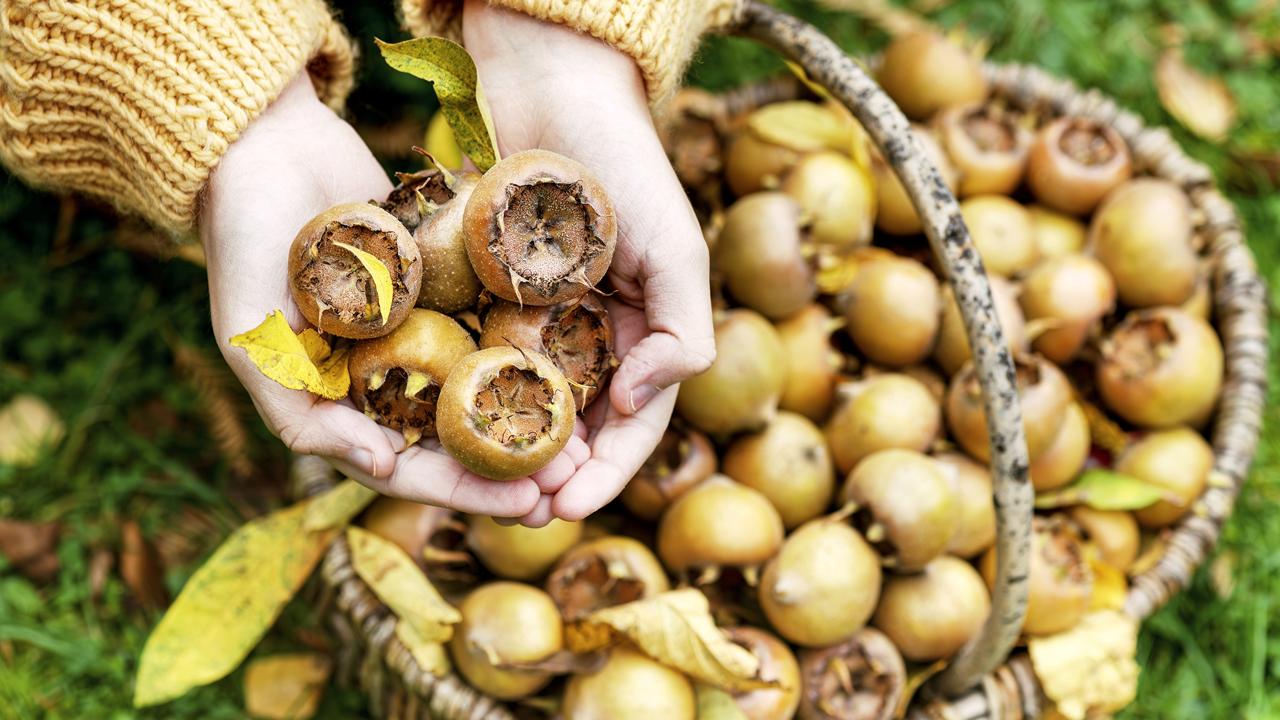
(892, 410)
(1043, 391)
(1060, 584)
(777, 665)
(987, 144)
(952, 351)
(1142, 234)
(329, 282)
(752, 163)
(1070, 295)
(892, 310)
(976, 509)
(516, 552)
(692, 140)
(1161, 367)
(505, 412)
(1064, 458)
(1002, 233)
(1056, 233)
(836, 197)
(539, 229)
(432, 184)
(1074, 162)
(924, 72)
(1177, 461)
(862, 678)
(813, 365)
(895, 213)
(603, 572)
(449, 284)
(822, 585)
(740, 390)
(761, 253)
(683, 458)
(396, 379)
(1200, 304)
(719, 523)
(503, 624)
(906, 506)
(929, 615)
(1113, 532)
(789, 463)
(629, 686)
(576, 335)
(406, 523)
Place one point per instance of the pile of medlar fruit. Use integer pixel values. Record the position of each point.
(825, 482)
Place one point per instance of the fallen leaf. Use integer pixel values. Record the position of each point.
(441, 144)
(1202, 103)
(452, 73)
(229, 604)
(286, 687)
(429, 655)
(1103, 489)
(916, 679)
(31, 547)
(716, 704)
(28, 426)
(380, 274)
(1090, 668)
(100, 564)
(398, 582)
(298, 361)
(676, 629)
(802, 126)
(1109, 584)
(337, 507)
(140, 568)
(1222, 574)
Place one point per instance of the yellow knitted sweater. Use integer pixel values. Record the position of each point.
(134, 101)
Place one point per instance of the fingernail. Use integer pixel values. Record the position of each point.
(363, 460)
(642, 395)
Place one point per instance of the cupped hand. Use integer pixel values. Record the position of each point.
(296, 160)
(556, 89)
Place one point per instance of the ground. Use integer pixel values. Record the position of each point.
(118, 341)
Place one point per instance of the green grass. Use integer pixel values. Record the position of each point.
(91, 328)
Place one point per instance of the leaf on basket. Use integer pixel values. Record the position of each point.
(802, 126)
(1103, 489)
(229, 604)
(915, 680)
(286, 687)
(676, 629)
(716, 704)
(452, 73)
(298, 361)
(334, 509)
(380, 274)
(1202, 103)
(1109, 584)
(398, 582)
(429, 655)
(1091, 668)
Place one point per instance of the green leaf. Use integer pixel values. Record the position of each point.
(452, 72)
(1103, 489)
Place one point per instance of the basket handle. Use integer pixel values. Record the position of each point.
(831, 68)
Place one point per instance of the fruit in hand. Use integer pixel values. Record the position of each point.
(539, 229)
(449, 283)
(432, 184)
(506, 623)
(332, 288)
(505, 413)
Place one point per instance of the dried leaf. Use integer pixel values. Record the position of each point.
(430, 656)
(1103, 489)
(140, 567)
(1202, 103)
(28, 426)
(1109, 584)
(296, 361)
(441, 144)
(31, 547)
(229, 604)
(334, 509)
(890, 18)
(380, 274)
(1222, 574)
(802, 126)
(398, 582)
(916, 679)
(286, 687)
(1090, 668)
(452, 73)
(716, 704)
(676, 629)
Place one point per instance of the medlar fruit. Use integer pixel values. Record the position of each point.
(406, 523)
(788, 462)
(837, 198)
(1072, 293)
(402, 202)
(931, 614)
(1074, 162)
(1056, 233)
(759, 251)
(629, 686)
(892, 311)
(505, 623)
(1142, 234)
(813, 365)
(906, 506)
(1065, 456)
(885, 411)
(1113, 532)
(684, 457)
(1043, 392)
(740, 390)
(752, 163)
(924, 72)
(1061, 581)
(975, 504)
(516, 552)
(777, 665)
(604, 572)
(862, 678)
(1001, 231)
(1177, 461)
(449, 283)
(952, 350)
(719, 523)
(987, 145)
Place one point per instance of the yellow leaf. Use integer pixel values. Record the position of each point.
(452, 73)
(380, 274)
(298, 362)
(802, 126)
(916, 678)
(402, 585)
(430, 656)
(286, 687)
(229, 604)
(1090, 668)
(676, 629)
(1109, 584)
(27, 427)
(1202, 103)
(439, 141)
(716, 704)
(335, 508)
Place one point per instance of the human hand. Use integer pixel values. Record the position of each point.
(559, 90)
(296, 160)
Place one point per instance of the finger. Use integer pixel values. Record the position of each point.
(577, 449)
(433, 478)
(555, 474)
(310, 426)
(618, 450)
(541, 514)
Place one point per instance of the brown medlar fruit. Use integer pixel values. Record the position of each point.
(719, 523)
(1043, 392)
(987, 145)
(892, 311)
(1060, 586)
(836, 197)
(760, 253)
(1001, 231)
(862, 678)
(1065, 456)
(952, 350)
(331, 287)
(813, 365)
(629, 686)
(1070, 294)
(931, 614)
(683, 458)
(907, 506)
(1113, 532)
(924, 72)
(449, 283)
(604, 572)
(539, 229)
(402, 202)
(692, 140)
(1178, 461)
(740, 390)
(885, 411)
(506, 623)
(505, 413)
(1074, 162)
(788, 462)
(517, 552)
(975, 504)
(777, 665)
(1142, 234)
(396, 379)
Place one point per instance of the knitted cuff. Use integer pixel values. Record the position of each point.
(661, 35)
(135, 101)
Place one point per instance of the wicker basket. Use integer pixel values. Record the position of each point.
(981, 681)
